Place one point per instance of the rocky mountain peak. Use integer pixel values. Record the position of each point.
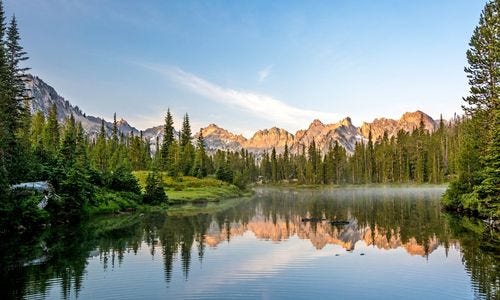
(122, 123)
(268, 138)
(212, 125)
(211, 129)
(345, 122)
(409, 121)
(316, 123)
(218, 138)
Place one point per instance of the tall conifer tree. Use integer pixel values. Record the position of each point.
(168, 139)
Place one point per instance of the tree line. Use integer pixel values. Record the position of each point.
(417, 157)
(477, 187)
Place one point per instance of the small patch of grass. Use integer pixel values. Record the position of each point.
(192, 189)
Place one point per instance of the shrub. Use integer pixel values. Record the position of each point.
(154, 192)
(123, 180)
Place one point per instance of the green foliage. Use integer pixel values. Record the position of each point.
(416, 157)
(51, 131)
(168, 140)
(154, 193)
(173, 166)
(109, 201)
(187, 188)
(224, 173)
(241, 180)
(201, 158)
(477, 188)
(23, 205)
(187, 153)
(100, 155)
(121, 179)
(75, 191)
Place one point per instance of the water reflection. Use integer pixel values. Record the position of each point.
(396, 218)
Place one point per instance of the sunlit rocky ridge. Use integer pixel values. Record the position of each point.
(217, 138)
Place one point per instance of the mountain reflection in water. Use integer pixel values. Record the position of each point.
(408, 219)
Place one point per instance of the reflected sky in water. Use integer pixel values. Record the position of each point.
(398, 244)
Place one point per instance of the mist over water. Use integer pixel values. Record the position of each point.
(395, 243)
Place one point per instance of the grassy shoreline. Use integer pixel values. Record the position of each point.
(187, 189)
(191, 195)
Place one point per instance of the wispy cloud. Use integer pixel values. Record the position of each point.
(259, 105)
(264, 73)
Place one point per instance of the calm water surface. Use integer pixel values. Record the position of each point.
(397, 245)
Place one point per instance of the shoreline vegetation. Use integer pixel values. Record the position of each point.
(188, 189)
(185, 191)
(112, 171)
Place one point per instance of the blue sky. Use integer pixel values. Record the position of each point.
(248, 65)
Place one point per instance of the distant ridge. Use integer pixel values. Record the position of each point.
(217, 138)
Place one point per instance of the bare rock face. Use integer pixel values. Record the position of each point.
(378, 126)
(217, 138)
(408, 122)
(155, 137)
(44, 96)
(411, 120)
(343, 132)
(264, 140)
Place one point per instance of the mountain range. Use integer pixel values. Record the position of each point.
(217, 138)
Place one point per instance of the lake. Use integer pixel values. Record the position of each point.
(395, 243)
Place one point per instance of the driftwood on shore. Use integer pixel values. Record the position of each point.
(40, 186)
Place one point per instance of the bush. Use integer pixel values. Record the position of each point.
(224, 173)
(240, 180)
(23, 205)
(109, 201)
(123, 180)
(154, 192)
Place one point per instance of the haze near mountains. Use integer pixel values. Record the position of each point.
(324, 135)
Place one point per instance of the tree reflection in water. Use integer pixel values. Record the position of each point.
(384, 218)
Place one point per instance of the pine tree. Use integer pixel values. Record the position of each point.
(154, 192)
(67, 151)
(186, 147)
(100, 153)
(200, 161)
(489, 190)
(14, 157)
(173, 167)
(168, 139)
(286, 163)
(475, 188)
(330, 174)
(16, 55)
(51, 131)
(114, 134)
(274, 166)
(4, 112)
(370, 159)
(339, 160)
(36, 129)
(483, 58)
(312, 163)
